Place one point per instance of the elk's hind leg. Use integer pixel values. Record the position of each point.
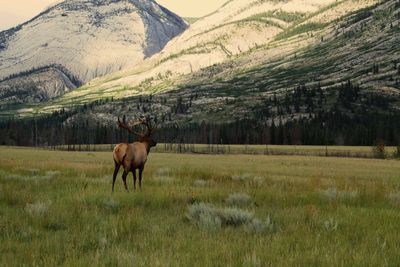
(140, 177)
(134, 178)
(116, 169)
(124, 179)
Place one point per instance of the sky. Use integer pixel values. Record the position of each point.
(14, 12)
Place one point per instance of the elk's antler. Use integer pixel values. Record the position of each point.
(126, 127)
(144, 121)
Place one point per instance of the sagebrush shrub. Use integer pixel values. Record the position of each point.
(238, 199)
(331, 225)
(210, 218)
(394, 198)
(37, 209)
(227, 216)
(333, 193)
(257, 226)
(200, 183)
(241, 177)
(111, 205)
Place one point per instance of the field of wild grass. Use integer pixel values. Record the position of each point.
(56, 208)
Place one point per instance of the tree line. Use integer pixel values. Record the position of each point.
(306, 115)
(332, 128)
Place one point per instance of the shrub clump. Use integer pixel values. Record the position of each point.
(241, 177)
(238, 199)
(257, 226)
(394, 198)
(333, 193)
(200, 183)
(111, 205)
(37, 209)
(331, 225)
(211, 218)
(226, 216)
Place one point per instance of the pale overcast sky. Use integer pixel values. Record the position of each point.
(13, 12)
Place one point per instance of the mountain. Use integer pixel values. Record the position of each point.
(88, 38)
(234, 33)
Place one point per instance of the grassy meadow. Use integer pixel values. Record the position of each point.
(56, 208)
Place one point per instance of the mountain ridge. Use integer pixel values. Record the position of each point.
(90, 38)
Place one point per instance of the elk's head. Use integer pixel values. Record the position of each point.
(144, 136)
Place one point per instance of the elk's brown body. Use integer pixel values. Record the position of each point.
(133, 156)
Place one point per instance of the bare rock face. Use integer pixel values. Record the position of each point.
(89, 38)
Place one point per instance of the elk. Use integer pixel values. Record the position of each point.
(133, 156)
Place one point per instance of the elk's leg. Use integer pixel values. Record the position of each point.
(116, 169)
(140, 177)
(134, 179)
(124, 179)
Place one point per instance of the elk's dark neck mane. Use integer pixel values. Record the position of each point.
(146, 144)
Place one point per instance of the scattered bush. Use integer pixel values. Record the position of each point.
(111, 205)
(394, 198)
(103, 242)
(201, 212)
(252, 260)
(211, 218)
(52, 174)
(331, 225)
(241, 177)
(333, 193)
(209, 222)
(37, 209)
(238, 199)
(200, 183)
(257, 226)
(257, 180)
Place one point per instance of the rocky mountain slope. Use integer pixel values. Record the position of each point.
(231, 34)
(88, 38)
(319, 46)
(358, 43)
